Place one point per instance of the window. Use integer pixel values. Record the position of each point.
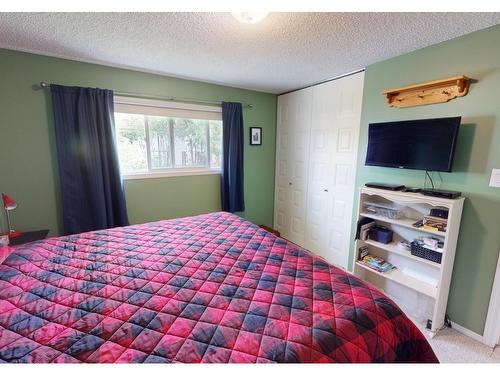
(157, 138)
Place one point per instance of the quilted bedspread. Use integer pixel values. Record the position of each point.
(209, 288)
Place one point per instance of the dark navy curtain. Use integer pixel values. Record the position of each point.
(91, 187)
(232, 158)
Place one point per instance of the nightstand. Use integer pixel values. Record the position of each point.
(29, 237)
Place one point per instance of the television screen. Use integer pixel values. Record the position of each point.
(416, 144)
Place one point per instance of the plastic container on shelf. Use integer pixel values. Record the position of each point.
(380, 234)
(418, 250)
(388, 210)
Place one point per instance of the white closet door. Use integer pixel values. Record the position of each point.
(336, 112)
(346, 100)
(294, 121)
(282, 189)
(319, 181)
(301, 130)
(316, 152)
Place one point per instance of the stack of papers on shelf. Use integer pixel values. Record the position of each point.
(435, 223)
(431, 243)
(376, 263)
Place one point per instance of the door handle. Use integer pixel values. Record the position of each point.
(325, 190)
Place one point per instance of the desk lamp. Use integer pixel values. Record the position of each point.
(10, 204)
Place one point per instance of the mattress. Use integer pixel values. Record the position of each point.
(208, 288)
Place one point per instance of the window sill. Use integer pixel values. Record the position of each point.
(174, 173)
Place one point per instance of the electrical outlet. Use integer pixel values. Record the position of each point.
(495, 178)
(429, 324)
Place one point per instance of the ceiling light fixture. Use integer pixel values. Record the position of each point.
(249, 17)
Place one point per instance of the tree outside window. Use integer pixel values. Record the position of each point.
(155, 143)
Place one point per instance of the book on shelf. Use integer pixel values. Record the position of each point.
(436, 224)
(376, 263)
(364, 225)
(365, 229)
(430, 228)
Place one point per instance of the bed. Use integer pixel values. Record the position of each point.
(208, 288)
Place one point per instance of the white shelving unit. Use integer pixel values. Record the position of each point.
(419, 285)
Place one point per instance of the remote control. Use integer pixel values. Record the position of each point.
(418, 224)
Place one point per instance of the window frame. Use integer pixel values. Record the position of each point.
(154, 107)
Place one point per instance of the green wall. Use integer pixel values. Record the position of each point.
(476, 55)
(28, 166)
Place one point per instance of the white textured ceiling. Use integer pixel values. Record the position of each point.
(285, 51)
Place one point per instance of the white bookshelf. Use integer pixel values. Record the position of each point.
(418, 285)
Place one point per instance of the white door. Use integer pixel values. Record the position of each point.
(317, 145)
(319, 181)
(294, 119)
(335, 121)
(282, 190)
(491, 336)
(347, 95)
(299, 157)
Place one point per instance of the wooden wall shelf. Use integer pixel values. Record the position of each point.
(431, 92)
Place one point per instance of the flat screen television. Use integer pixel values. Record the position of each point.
(415, 144)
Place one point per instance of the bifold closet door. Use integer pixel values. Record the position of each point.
(294, 122)
(281, 196)
(347, 119)
(319, 195)
(336, 115)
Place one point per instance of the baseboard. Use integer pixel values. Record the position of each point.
(467, 332)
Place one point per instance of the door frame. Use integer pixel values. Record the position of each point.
(491, 336)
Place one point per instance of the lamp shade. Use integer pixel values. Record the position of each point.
(8, 202)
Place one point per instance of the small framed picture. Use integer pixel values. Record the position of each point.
(255, 136)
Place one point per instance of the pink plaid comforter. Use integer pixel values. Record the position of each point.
(209, 288)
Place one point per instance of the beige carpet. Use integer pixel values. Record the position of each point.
(452, 346)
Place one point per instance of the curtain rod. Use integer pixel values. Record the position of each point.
(168, 98)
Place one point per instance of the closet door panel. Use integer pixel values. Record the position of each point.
(299, 160)
(294, 112)
(318, 196)
(347, 116)
(283, 177)
(333, 150)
